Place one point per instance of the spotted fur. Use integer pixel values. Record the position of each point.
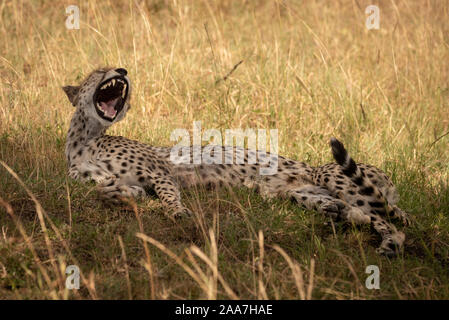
(357, 193)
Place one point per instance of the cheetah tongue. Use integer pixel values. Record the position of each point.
(108, 108)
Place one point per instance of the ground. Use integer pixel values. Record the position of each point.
(311, 71)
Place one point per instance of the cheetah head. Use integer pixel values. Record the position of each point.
(104, 95)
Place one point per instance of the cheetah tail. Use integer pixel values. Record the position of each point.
(342, 157)
(366, 187)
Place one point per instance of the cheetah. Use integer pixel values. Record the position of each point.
(347, 191)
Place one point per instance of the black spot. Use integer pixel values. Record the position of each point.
(358, 181)
(124, 164)
(326, 180)
(375, 204)
(123, 171)
(351, 169)
(367, 191)
(360, 203)
(291, 179)
(141, 179)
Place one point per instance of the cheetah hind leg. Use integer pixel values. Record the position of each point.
(392, 239)
(403, 216)
(320, 199)
(317, 198)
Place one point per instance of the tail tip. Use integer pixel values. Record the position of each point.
(336, 145)
(334, 141)
(338, 151)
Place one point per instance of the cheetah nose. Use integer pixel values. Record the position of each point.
(122, 71)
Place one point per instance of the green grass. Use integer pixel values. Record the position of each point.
(310, 70)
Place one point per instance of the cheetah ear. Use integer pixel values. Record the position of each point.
(72, 93)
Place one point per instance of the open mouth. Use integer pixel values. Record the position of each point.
(110, 97)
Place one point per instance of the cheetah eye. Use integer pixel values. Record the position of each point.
(110, 97)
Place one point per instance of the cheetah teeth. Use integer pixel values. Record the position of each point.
(112, 83)
(124, 90)
(106, 85)
(101, 108)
